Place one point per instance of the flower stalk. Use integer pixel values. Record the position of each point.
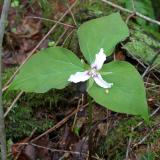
(90, 120)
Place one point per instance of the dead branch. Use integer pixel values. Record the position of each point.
(132, 12)
(4, 15)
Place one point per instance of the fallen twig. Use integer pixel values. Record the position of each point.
(67, 37)
(133, 128)
(74, 20)
(3, 20)
(131, 12)
(49, 32)
(13, 103)
(61, 36)
(59, 124)
(51, 20)
(23, 146)
(42, 40)
(151, 63)
(58, 150)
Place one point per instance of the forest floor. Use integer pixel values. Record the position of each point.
(54, 125)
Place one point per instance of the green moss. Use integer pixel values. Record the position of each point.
(21, 122)
(143, 47)
(114, 145)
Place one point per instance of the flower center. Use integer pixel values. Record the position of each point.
(93, 72)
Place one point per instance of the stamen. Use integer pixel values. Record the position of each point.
(88, 73)
(94, 67)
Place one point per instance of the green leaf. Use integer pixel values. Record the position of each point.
(50, 68)
(99, 33)
(127, 94)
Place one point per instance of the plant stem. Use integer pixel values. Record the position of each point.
(90, 112)
(4, 15)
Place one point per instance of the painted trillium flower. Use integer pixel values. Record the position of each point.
(93, 72)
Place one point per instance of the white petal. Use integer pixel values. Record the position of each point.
(99, 61)
(102, 83)
(79, 77)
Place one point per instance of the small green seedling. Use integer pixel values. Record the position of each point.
(116, 85)
(51, 44)
(15, 3)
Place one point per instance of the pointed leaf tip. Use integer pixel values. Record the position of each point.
(104, 32)
(127, 95)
